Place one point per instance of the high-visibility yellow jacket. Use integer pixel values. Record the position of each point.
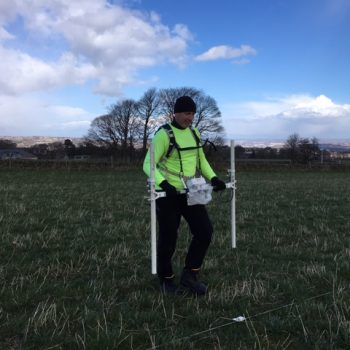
(169, 169)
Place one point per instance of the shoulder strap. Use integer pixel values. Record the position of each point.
(173, 145)
(198, 141)
(172, 141)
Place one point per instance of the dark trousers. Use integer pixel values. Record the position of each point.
(169, 212)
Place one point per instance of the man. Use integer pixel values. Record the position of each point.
(178, 157)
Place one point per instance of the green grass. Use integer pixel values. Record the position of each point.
(75, 268)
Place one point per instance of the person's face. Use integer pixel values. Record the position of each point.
(184, 119)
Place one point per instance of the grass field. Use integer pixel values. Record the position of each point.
(75, 268)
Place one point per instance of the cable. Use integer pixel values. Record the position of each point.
(220, 194)
(239, 319)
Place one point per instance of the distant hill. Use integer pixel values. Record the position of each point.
(29, 141)
(336, 145)
(333, 147)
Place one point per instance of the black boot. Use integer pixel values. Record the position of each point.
(167, 286)
(189, 280)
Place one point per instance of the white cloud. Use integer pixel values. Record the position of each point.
(30, 116)
(5, 35)
(224, 52)
(279, 117)
(106, 42)
(21, 73)
(7, 11)
(89, 41)
(316, 108)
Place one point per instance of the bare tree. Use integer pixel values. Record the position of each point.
(103, 131)
(208, 116)
(128, 121)
(300, 149)
(7, 144)
(120, 127)
(148, 110)
(168, 98)
(291, 147)
(127, 124)
(69, 147)
(308, 150)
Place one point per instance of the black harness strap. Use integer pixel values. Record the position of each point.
(174, 145)
(172, 141)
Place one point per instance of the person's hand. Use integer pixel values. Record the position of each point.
(170, 190)
(218, 185)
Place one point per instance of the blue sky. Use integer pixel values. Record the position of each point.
(274, 67)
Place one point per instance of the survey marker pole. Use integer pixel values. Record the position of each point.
(233, 200)
(152, 183)
(232, 185)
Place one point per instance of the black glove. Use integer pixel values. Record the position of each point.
(170, 190)
(218, 184)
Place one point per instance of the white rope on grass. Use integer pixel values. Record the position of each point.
(239, 319)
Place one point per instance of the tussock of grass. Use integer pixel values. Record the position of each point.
(75, 265)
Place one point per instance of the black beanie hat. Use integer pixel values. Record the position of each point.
(184, 104)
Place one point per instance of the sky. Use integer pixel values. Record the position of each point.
(274, 67)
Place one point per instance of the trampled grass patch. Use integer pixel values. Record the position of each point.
(75, 269)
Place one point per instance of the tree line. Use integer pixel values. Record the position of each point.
(296, 148)
(301, 150)
(125, 130)
(129, 122)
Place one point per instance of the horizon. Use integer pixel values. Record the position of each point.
(62, 64)
(336, 141)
